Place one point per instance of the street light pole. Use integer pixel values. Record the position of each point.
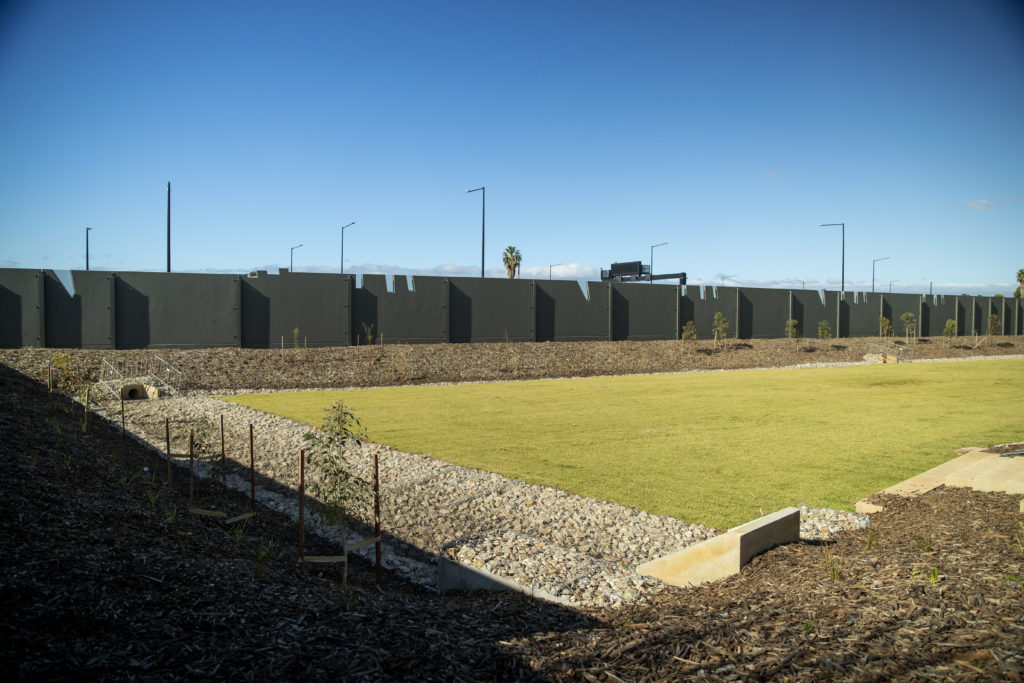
(291, 260)
(651, 278)
(842, 272)
(890, 285)
(873, 271)
(168, 226)
(483, 224)
(343, 246)
(727, 277)
(552, 266)
(87, 248)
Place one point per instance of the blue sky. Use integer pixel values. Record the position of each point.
(727, 129)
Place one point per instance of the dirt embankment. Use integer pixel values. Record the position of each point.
(362, 366)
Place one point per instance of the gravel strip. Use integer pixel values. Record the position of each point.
(578, 549)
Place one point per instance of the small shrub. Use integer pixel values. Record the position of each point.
(689, 331)
(949, 332)
(909, 324)
(792, 329)
(720, 327)
(993, 325)
(830, 563)
(368, 332)
(824, 330)
(342, 493)
(884, 327)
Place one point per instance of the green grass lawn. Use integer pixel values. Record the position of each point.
(715, 448)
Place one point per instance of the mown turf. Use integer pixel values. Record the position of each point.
(716, 448)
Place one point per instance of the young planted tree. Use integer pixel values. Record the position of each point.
(824, 330)
(720, 327)
(949, 332)
(792, 329)
(884, 327)
(512, 259)
(341, 493)
(689, 331)
(993, 325)
(909, 324)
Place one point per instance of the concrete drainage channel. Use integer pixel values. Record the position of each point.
(511, 535)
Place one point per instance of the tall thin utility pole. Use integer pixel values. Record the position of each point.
(168, 226)
(483, 223)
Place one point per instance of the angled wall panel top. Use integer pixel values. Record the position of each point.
(565, 313)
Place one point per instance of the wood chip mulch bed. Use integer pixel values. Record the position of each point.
(104, 574)
(388, 365)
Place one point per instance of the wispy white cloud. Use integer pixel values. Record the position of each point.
(771, 174)
(563, 271)
(980, 205)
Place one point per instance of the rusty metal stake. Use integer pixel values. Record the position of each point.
(223, 464)
(302, 509)
(252, 471)
(376, 512)
(191, 463)
(167, 434)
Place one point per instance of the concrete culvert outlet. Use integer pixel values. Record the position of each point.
(134, 392)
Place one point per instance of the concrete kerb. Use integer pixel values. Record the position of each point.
(725, 555)
(453, 575)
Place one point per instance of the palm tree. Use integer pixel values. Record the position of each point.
(1020, 281)
(511, 258)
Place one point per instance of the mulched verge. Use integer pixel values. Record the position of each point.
(98, 580)
(932, 590)
(370, 366)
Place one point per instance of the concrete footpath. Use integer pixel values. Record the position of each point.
(974, 469)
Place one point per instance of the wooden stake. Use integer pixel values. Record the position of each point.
(122, 413)
(49, 376)
(85, 411)
(167, 434)
(252, 471)
(376, 512)
(302, 509)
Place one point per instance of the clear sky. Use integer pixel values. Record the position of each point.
(729, 129)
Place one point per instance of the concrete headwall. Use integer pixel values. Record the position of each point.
(98, 309)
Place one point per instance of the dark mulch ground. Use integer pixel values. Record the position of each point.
(104, 574)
